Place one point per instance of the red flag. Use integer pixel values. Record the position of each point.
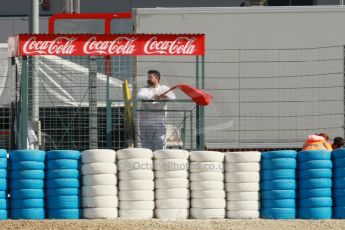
(198, 96)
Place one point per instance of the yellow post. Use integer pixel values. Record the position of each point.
(127, 96)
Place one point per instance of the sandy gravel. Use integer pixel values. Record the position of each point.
(163, 224)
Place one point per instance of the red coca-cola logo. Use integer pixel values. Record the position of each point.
(58, 46)
(179, 46)
(119, 46)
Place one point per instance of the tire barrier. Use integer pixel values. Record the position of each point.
(207, 185)
(278, 185)
(63, 184)
(242, 177)
(26, 184)
(3, 185)
(171, 184)
(99, 180)
(314, 184)
(136, 183)
(338, 158)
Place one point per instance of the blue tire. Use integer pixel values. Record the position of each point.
(3, 153)
(62, 192)
(62, 164)
(62, 183)
(339, 201)
(27, 155)
(315, 213)
(3, 194)
(315, 202)
(339, 162)
(26, 184)
(3, 163)
(278, 194)
(339, 192)
(3, 204)
(339, 213)
(283, 184)
(317, 164)
(338, 153)
(280, 163)
(278, 174)
(312, 155)
(3, 184)
(3, 173)
(317, 192)
(339, 172)
(63, 154)
(279, 154)
(315, 173)
(63, 173)
(339, 183)
(27, 165)
(28, 214)
(278, 213)
(63, 202)
(3, 214)
(284, 203)
(27, 174)
(315, 183)
(27, 194)
(63, 213)
(26, 203)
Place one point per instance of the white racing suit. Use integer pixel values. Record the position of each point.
(152, 119)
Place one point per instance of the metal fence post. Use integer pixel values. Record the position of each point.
(108, 116)
(22, 124)
(202, 108)
(93, 134)
(197, 124)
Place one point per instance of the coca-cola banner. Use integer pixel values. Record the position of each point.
(111, 45)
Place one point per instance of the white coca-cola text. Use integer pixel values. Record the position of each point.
(119, 46)
(179, 46)
(58, 46)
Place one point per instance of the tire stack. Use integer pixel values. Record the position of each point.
(207, 185)
(99, 190)
(314, 184)
(62, 185)
(171, 183)
(3, 185)
(136, 184)
(338, 157)
(278, 184)
(27, 184)
(242, 179)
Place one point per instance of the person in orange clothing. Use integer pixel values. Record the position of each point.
(328, 144)
(315, 142)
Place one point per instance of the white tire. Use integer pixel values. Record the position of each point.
(98, 156)
(171, 165)
(242, 187)
(243, 214)
(172, 193)
(136, 195)
(207, 185)
(171, 174)
(210, 156)
(199, 213)
(242, 177)
(131, 153)
(131, 185)
(172, 204)
(98, 168)
(242, 157)
(208, 176)
(245, 196)
(99, 202)
(102, 190)
(208, 203)
(100, 213)
(136, 175)
(137, 204)
(171, 183)
(243, 205)
(135, 164)
(208, 194)
(171, 154)
(172, 214)
(99, 179)
(135, 214)
(206, 167)
(242, 167)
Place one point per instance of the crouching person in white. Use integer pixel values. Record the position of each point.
(153, 114)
